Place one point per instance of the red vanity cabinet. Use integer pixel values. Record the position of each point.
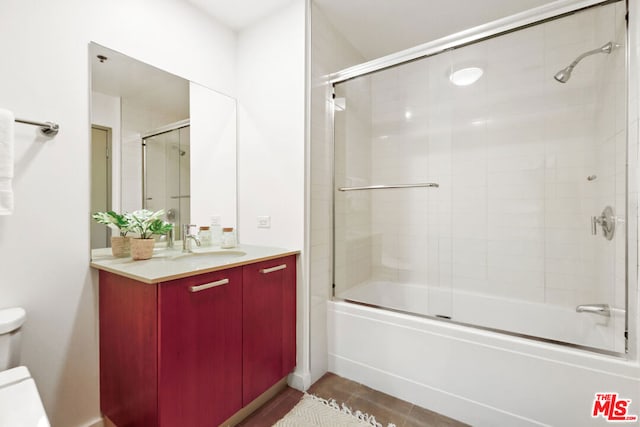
(269, 324)
(200, 349)
(194, 351)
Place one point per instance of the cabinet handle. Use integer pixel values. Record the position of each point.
(208, 285)
(272, 269)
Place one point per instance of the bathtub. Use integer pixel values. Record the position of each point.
(556, 323)
(477, 376)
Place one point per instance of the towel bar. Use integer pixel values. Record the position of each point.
(47, 128)
(384, 187)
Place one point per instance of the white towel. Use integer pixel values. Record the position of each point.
(7, 121)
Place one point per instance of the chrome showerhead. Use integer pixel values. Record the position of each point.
(564, 75)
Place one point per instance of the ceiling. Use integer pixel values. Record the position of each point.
(125, 77)
(380, 27)
(238, 14)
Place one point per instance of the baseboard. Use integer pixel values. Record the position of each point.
(96, 423)
(243, 413)
(299, 380)
(235, 418)
(445, 403)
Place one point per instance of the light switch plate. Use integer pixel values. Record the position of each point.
(264, 222)
(216, 220)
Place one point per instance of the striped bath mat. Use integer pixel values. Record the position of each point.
(313, 411)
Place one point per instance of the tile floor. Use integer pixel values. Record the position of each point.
(386, 409)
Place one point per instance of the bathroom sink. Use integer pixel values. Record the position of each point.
(211, 255)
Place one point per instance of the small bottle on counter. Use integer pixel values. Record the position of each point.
(216, 235)
(228, 238)
(204, 234)
(216, 230)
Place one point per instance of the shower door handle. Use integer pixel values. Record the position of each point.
(600, 309)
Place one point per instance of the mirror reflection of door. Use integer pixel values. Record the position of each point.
(100, 183)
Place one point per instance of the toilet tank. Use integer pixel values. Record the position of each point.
(11, 319)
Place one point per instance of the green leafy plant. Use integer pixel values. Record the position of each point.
(147, 223)
(120, 222)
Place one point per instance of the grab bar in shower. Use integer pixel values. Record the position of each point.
(384, 187)
(601, 309)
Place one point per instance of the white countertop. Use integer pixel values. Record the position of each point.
(168, 264)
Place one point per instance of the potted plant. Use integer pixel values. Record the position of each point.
(146, 223)
(120, 245)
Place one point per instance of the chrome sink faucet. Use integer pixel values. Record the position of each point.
(187, 237)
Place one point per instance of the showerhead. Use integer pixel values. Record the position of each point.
(564, 75)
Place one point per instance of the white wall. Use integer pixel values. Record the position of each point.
(330, 52)
(271, 144)
(44, 245)
(271, 100)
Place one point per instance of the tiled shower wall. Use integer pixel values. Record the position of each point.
(511, 154)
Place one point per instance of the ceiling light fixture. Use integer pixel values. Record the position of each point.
(466, 76)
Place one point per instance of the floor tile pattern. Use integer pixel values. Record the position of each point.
(386, 409)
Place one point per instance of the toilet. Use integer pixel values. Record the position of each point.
(20, 404)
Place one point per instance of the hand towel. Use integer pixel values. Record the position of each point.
(7, 121)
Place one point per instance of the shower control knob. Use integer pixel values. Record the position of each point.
(607, 221)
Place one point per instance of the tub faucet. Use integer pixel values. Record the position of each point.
(600, 309)
(187, 237)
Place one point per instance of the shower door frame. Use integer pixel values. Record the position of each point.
(159, 131)
(481, 33)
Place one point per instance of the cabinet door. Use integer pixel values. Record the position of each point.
(128, 353)
(268, 324)
(200, 361)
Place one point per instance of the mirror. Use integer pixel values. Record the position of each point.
(159, 142)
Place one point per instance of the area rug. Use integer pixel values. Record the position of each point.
(314, 411)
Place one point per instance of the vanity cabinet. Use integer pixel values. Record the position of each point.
(200, 349)
(268, 328)
(195, 350)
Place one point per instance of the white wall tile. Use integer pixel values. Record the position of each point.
(511, 153)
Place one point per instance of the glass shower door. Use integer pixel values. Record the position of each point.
(389, 243)
(525, 232)
(166, 174)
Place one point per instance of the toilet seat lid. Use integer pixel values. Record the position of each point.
(11, 319)
(20, 403)
(14, 375)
